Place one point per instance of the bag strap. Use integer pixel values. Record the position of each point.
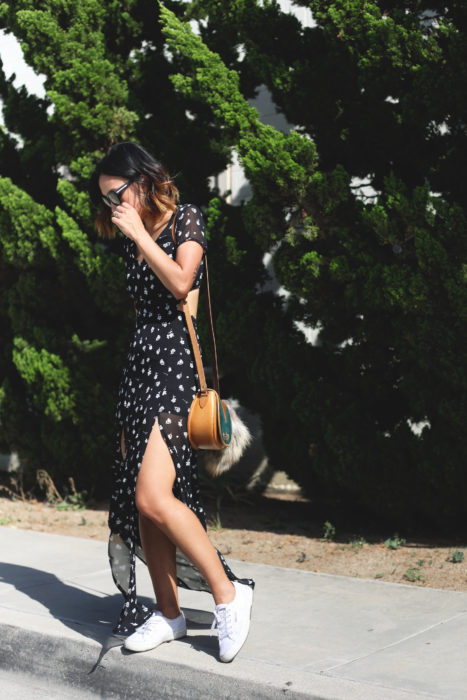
(183, 306)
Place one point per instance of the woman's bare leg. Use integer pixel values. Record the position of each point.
(159, 552)
(160, 556)
(156, 502)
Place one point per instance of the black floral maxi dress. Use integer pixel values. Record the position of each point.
(159, 380)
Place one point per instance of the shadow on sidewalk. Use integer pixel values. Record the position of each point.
(90, 612)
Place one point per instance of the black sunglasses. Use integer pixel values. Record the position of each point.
(112, 198)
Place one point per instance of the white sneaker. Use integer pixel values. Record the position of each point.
(233, 621)
(154, 631)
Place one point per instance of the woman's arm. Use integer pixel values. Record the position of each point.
(177, 275)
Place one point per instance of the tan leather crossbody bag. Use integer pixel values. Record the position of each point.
(209, 420)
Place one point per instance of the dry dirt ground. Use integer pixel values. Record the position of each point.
(275, 529)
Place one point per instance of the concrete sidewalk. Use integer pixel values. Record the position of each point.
(312, 635)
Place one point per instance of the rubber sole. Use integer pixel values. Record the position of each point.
(135, 648)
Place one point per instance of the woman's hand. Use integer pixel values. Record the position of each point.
(128, 221)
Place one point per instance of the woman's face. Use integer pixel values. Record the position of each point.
(129, 194)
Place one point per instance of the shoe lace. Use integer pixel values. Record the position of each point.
(223, 621)
(151, 622)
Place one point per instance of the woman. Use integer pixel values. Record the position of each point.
(155, 505)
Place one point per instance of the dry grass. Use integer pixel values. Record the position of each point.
(271, 531)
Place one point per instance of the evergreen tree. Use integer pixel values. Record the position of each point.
(376, 92)
(66, 316)
(64, 313)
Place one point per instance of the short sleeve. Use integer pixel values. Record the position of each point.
(190, 226)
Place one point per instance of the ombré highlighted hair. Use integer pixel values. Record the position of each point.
(130, 161)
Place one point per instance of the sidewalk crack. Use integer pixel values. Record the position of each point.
(396, 643)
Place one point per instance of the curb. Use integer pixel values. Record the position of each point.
(72, 664)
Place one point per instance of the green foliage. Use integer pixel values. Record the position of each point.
(456, 557)
(394, 542)
(329, 531)
(375, 92)
(414, 575)
(66, 317)
(67, 43)
(48, 379)
(69, 505)
(357, 543)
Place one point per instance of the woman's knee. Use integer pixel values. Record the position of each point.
(155, 508)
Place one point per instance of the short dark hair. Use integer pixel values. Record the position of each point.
(130, 161)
